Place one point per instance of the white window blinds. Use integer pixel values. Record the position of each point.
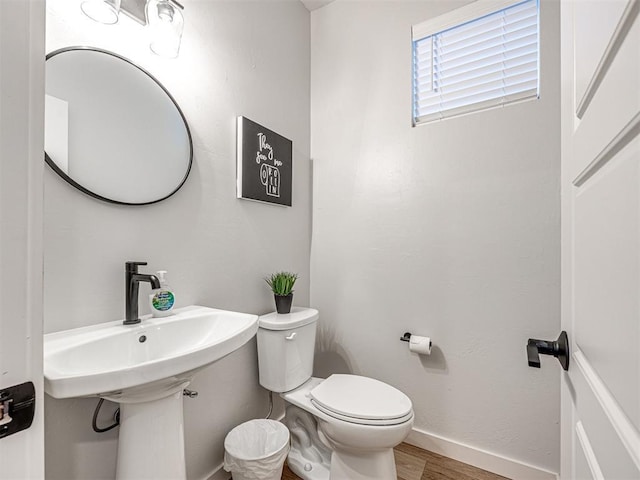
(483, 61)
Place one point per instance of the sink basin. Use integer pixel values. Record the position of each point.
(115, 360)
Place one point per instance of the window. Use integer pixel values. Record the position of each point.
(480, 56)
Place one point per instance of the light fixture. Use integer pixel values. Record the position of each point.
(166, 24)
(162, 17)
(103, 11)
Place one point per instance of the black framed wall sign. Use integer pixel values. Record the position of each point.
(265, 164)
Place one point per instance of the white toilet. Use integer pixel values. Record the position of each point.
(344, 427)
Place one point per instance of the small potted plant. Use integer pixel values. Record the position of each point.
(281, 284)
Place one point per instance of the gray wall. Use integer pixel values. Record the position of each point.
(237, 58)
(450, 230)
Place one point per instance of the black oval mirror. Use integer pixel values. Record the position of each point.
(112, 130)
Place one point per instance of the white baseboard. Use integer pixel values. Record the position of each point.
(219, 474)
(478, 458)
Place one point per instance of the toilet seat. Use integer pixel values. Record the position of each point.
(361, 400)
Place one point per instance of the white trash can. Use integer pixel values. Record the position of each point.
(256, 450)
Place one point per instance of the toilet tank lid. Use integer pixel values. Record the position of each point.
(298, 317)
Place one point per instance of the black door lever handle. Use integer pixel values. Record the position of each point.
(558, 348)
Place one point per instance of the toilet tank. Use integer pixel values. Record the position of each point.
(286, 344)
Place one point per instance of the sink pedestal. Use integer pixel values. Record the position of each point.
(151, 440)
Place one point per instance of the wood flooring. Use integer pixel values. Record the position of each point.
(413, 463)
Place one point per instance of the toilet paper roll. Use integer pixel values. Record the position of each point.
(420, 345)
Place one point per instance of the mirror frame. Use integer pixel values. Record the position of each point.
(75, 184)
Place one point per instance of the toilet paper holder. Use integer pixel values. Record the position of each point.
(417, 344)
(407, 337)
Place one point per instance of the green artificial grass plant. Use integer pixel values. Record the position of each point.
(281, 283)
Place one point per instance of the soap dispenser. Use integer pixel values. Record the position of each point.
(162, 299)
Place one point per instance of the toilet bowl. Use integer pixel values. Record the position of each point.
(343, 427)
(361, 448)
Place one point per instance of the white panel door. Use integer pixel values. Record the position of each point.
(601, 238)
(21, 166)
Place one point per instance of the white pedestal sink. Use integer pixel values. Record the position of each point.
(145, 368)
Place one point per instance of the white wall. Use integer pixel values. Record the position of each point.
(450, 229)
(237, 58)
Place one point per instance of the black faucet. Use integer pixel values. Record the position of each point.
(132, 280)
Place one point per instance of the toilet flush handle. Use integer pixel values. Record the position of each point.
(291, 337)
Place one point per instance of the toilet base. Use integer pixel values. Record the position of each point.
(372, 466)
(305, 468)
(309, 458)
(344, 466)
